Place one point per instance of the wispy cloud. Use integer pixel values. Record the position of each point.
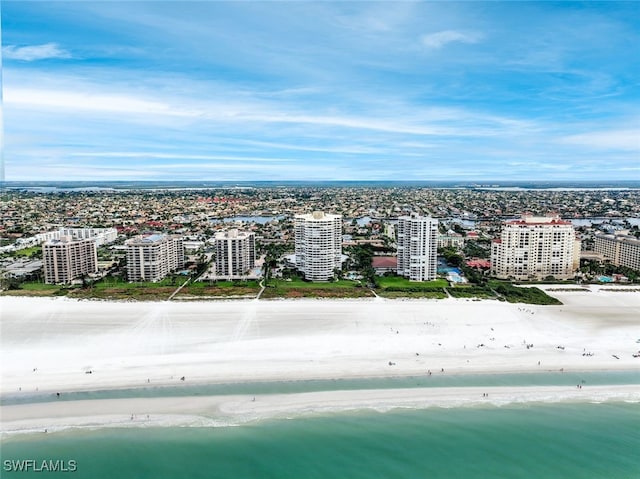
(440, 39)
(32, 53)
(627, 139)
(180, 156)
(319, 90)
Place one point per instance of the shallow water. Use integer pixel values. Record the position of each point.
(519, 441)
(555, 378)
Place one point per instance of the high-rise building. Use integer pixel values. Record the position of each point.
(235, 253)
(620, 248)
(66, 259)
(318, 245)
(535, 247)
(152, 257)
(417, 247)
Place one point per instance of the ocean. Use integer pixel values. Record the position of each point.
(518, 441)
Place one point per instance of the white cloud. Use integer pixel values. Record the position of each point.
(34, 52)
(613, 139)
(440, 39)
(88, 99)
(167, 156)
(73, 100)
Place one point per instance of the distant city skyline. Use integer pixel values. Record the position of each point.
(247, 91)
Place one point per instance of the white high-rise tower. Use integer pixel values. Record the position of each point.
(535, 247)
(417, 247)
(318, 245)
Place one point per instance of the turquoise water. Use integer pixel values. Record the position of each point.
(555, 378)
(525, 441)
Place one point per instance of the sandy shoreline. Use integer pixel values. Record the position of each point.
(218, 411)
(60, 345)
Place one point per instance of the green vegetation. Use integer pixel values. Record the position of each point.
(386, 282)
(298, 288)
(515, 294)
(33, 252)
(480, 292)
(360, 259)
(389, 287)
(36, 288)
(597, 268)
(399, 287)
(452, 257)
(477, 249)
(424, 294)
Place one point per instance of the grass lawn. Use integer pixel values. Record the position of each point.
(26, 252)
(38, 286)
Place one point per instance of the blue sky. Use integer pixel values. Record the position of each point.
(321, 90)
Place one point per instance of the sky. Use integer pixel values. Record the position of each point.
(321, 90)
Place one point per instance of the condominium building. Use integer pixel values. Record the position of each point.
(620, 248)
(152, 257)
(66, 259)
(417, 247)
(451, 240)
(535, 247)
(101, 236)
(318, 239)
(235, 253)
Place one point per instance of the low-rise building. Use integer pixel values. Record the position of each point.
(451, 240)
(384, 264)
(101, 236)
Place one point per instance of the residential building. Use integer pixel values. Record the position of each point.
(535, 247)
(384, 264)
(101, 236)
(152, 257)
(451, 239)
(417, 247)
(620, 248)
(66, 259)
(318, 245)
(235, 253)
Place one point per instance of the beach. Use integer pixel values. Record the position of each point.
(52, 346)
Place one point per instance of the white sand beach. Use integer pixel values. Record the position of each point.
(61, 345)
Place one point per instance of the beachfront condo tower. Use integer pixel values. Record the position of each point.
(66, 259)
(318, 245)
(417, 247)
(534, 248)
(235, 253)
(152, 257)
(620, 248)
